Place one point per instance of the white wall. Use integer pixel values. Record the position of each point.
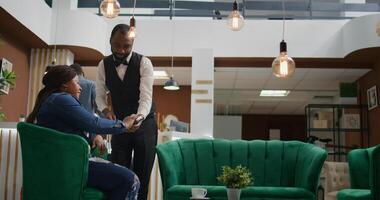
(227, 127)
(33, 14)
(259, 38)
(83, 29)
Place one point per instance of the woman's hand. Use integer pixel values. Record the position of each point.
(98, 142)
(137, 122)
(129, 122)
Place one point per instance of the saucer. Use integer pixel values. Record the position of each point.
(199, 198)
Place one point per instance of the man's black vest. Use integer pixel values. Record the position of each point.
(125, 93)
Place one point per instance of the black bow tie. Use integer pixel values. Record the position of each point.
(119, 62)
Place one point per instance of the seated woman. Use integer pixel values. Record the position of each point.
(57, 107)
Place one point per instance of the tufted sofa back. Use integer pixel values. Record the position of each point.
(272, 163)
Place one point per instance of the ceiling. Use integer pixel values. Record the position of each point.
(217, 9)
(237, 90)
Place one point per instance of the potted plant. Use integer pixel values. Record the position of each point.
(6, 78)
(235, 179)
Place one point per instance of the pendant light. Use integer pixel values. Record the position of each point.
(172, 84)
(235, 20)
(110, 8)
(283, 66)
(132, 24)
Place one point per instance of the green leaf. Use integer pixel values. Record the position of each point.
(238, 177)
(2, 116)
(8, 77)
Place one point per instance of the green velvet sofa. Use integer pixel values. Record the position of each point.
(55, 165)
(281, 170)
(364, 167)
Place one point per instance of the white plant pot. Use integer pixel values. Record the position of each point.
(233, 193)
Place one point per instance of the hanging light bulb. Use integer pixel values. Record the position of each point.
(132, 24)
(132, 28)
(283, 66)
(235, 20)
(110, 8)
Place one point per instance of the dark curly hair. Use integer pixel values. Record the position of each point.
(52, 80)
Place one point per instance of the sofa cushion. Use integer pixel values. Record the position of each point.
(354, 194)
(182, 192)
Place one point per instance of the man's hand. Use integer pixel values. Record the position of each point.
(98, 142)
(109, 114)
(138, 121)
(129, 122)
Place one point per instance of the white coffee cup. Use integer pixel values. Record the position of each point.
(198, 192)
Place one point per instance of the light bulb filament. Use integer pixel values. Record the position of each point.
(109, 8)
(284, 68)
(132, 32)
(235, 22)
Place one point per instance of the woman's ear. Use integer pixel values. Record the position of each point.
(64, 87)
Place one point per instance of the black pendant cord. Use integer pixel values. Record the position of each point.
(133, 11)
(283, 20)
(283, 43)
(172, 41)
(54, 62)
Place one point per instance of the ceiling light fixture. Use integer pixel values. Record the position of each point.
(110, 8)
(132, 23)
(235, 20)
(171, 84)
(283, 66)
(274, 93)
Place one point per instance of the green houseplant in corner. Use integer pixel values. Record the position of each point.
(6, 78)
(235, 179)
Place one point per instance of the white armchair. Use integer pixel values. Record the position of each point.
(336, 178)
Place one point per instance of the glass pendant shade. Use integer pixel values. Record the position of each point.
(283, 66)
(171, 84)
(132, 32)
(132, 29)
(110, 8)
(235, 20)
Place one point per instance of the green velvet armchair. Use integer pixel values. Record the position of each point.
(55, 165)
(281, 170)
(364, 167)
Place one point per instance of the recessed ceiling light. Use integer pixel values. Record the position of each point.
(274, 93)
(160, 75)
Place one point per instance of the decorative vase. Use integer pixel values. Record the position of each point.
(233, 193)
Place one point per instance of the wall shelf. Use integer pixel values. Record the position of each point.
(346, 126)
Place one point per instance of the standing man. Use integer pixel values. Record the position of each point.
(128, 76)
